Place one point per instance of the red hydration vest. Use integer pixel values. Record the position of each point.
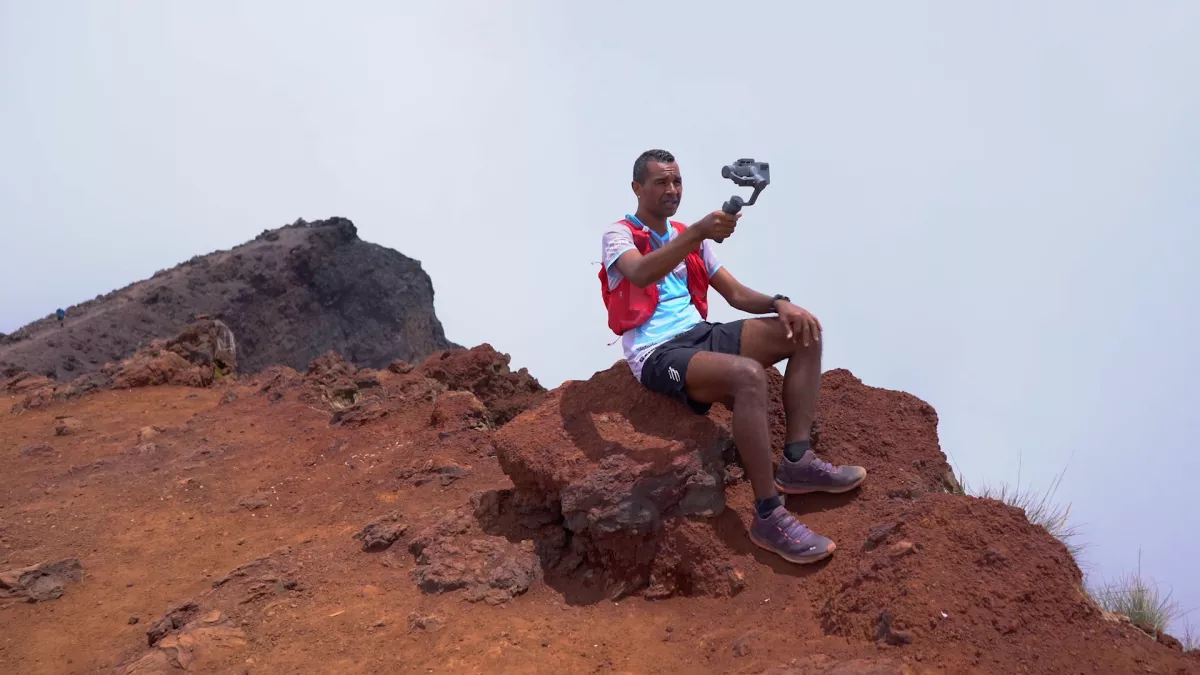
(630, 306)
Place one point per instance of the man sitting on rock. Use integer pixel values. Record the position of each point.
(655, 280)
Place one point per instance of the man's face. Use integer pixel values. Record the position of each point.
(662, 190)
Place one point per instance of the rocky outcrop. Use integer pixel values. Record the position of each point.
(25, 382)
(483, 371)
(192, 647)
(454, 554)
(38, 583)
(381, 533)
(289, 295)
(626, 468)
(196, 636)
(637, 479)
(202, 353)
(472, 389)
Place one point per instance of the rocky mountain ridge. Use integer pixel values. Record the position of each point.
(289, 295)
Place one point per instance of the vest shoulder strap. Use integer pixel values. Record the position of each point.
(641, 240)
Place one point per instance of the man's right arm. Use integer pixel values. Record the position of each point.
(646, 270)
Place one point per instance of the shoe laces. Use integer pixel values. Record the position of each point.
(794, 529)
(823, 466)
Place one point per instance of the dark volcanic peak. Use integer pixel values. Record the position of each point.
(289, 295)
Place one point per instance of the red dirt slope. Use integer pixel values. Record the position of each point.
(352, 521)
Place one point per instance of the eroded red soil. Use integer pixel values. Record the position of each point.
(242, 506)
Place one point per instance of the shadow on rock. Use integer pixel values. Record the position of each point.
(816, 502)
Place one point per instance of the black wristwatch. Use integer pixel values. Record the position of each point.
(776, 299)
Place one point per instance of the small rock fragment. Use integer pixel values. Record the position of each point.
(417, 621)
(733, 474)
(887, 631)
(741, 646)
(380, 534)
(65, 426)
(911, 492)
(146, 434)
(878, 534)
(254, 501)
(39, 450)
(1008, 625)
(993, 556)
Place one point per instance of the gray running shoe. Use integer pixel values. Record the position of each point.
(813, 475)
(782, 534)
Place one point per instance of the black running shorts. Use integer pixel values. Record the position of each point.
(665, 370)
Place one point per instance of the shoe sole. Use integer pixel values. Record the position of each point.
(809, 489)
(798, 561)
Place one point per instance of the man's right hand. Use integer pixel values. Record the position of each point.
(717, 225)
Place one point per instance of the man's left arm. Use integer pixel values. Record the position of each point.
(798, 323)
(739, 296)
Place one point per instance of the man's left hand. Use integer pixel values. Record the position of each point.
(798, 323)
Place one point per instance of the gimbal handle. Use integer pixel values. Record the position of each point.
(732, 207)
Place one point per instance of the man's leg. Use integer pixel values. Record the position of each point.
(725, 378)
(712, 377)
(764, 341)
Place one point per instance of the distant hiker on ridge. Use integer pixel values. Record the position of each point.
(655, 281)
(62, 314)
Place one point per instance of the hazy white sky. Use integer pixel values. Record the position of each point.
(993, 207)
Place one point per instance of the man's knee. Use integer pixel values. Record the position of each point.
(766, 341)
(810, 351)
(748, 378)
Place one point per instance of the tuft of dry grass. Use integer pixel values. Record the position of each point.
(1191, 641)
(1040, 508)
(1140, 600)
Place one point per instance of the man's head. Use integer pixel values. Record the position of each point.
(657, 183)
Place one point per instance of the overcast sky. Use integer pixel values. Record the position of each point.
(993, 207)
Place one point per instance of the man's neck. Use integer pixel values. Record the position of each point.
(659, 225)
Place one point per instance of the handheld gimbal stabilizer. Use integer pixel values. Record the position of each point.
(746, 173)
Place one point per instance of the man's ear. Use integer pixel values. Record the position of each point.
(637, 188)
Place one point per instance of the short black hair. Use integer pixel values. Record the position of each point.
(639, 166)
